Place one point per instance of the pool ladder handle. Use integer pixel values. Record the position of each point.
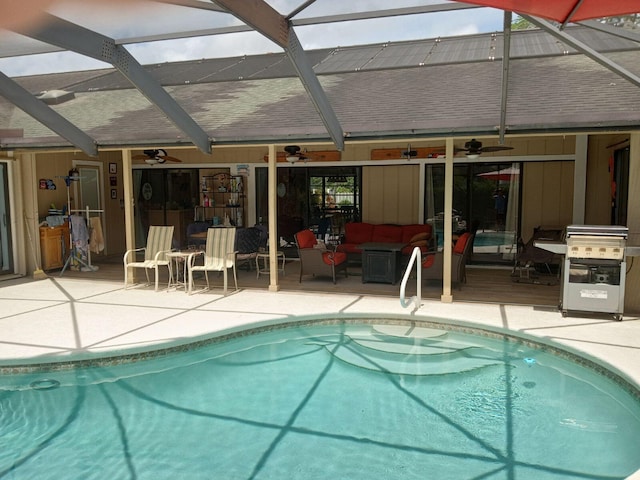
(416, 257)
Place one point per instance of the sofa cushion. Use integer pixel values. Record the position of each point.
(414, 232)
(358, 232)
(387, 233)
(419, 237)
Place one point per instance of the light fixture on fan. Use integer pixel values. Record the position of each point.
(153, 157)
(294, 153)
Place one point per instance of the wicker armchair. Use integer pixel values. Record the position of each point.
(318, 261)
(432, 263)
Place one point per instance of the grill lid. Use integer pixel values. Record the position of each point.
(598, 230)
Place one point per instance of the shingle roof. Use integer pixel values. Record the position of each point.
(426, 87)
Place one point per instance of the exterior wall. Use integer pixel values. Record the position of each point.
(632, 299)
(113, 228)
(54, 166)
(390, 194)
(598, 201)
(547, 195)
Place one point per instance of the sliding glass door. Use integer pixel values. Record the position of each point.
(486, 200)
(6, 247)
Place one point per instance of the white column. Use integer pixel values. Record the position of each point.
(448, 207)
(129, 225)
(273, 220)
(580, 180)
(632, 287)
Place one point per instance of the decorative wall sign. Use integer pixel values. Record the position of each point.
(114, 193)
(113, 168)
(113, 181)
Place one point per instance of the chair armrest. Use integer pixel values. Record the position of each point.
(192, 258)
(133, 250)
(162, 252)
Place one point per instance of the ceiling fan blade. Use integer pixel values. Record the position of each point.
(171, 159)
(496, 148)
(139, 157)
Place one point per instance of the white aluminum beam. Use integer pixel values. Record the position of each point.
(36, 108)
(267, 21)
(81, 40)
(506, 55)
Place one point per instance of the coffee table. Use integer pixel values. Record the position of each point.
(381, 261)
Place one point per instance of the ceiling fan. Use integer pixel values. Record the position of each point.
(295, 154)
(409, 154)
(473, 148)
(153, 157)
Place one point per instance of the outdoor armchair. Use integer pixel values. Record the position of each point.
(317, 260)
(218, 256)
(159, 241)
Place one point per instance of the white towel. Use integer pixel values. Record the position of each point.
(96, 240)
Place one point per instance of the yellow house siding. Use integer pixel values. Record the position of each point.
(547, 195)
(390, 194)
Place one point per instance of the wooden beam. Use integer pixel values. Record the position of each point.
(397, 153)
(319, 156)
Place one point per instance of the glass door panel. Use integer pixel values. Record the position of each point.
(6, 249)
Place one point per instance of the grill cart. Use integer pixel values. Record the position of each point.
(594, 268)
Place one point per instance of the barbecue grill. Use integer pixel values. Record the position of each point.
(594, 268)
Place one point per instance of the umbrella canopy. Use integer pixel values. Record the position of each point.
(564, 11)
(504, 175)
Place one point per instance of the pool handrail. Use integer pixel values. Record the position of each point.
(417, 299)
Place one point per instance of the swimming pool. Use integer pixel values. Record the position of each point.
(341, 400)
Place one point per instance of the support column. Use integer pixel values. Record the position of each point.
(273, 220)
(448, 215)
(129, 223)
(632, 287)
(580, 180)
(29, 201)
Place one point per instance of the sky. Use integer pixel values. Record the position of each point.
(125, 19)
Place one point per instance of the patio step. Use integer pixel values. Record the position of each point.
(415, 355)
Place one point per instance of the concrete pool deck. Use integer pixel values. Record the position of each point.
(60, 319)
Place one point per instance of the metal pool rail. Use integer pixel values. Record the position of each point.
(417, 299)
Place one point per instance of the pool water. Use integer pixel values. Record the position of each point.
(349, 401)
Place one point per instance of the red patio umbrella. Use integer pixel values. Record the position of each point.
(504, 175)
(564, 11)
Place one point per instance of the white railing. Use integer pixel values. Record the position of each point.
(416, 257)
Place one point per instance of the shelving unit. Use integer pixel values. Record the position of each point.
(222, 196)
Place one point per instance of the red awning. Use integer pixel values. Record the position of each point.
(564, 11)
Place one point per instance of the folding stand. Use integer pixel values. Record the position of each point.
(73, 253)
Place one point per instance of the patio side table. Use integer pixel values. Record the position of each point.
(381, 262)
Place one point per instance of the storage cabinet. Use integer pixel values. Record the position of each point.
(222, 196)
(54, 246)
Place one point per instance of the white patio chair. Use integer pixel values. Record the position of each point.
(158, 245)
(219, 256)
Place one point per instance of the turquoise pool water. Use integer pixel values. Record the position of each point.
(350, 401)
